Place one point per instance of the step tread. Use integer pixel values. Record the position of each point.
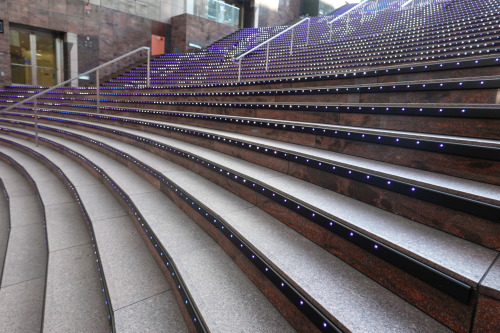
(72, 269)
(21, 306)
(26, 255)
(23, 280)
(446, 183)
(365, 130)
(74, 300)
(459, 258)
(207, 282)
(491, 283)
(216, 197)
(453, 185)
(119, 245)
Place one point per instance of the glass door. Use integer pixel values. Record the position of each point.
(46, 61)
(35, 58)
(20, 57)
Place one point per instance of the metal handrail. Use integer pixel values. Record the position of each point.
(96, 69)
(308, 19)
(338, 17)
(341, 15)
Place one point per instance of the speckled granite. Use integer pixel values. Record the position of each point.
(74, 301)
(490, 285)
(65, 226)
(131, 273)
(224, 295)
(21, 307)
(26, 255)
(159, 313)
(101, 203)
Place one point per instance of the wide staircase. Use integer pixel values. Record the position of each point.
(359, 196)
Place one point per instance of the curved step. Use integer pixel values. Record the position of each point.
(208, 273)
(134, 282)
(477, 204)
(24, 274)
(73, 296)
(4, 224)
(188, 178)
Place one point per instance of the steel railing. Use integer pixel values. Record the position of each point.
(342, 15)
(292, 27)
(98, 92)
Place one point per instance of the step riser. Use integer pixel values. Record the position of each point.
(283, 304)
(463, 225)
(468, 127)
(288, 309)
(385, 274)
(463, 167)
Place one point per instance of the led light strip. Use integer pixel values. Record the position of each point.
(437, 279)
(306, 307)
(455, 202)
(9, 160)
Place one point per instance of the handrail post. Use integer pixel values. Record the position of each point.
(307, 38)
(148, 77)
(331, 32)
(267, 56)
(291, 42)
(98, 92)
(239, 70)
(35, 109)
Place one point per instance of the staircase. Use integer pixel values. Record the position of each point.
(347, 202)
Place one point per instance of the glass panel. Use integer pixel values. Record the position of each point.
(45, 51)
(20, 47)
(212, 10)
(217, 11)
(21, 74)
(46, 77)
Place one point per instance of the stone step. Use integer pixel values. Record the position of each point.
(465, 208)
(135, 285)
(230, 210)
(203, 266)
(4, 225)
(472, 120)
(73, 298)
(475, 159)
(295, 218)
(23, 280)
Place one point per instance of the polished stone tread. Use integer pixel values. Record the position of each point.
(131, 273)
(73, 299)
(213, 279)
(359, 309)
(459, 258)
(23, 280)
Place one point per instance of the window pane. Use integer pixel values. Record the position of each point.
(46, 77)
(20, 48)
(45, 51)
(21, 74)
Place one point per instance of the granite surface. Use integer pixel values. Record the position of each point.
(490, 285)
(74, 301)
(158, 313)
(21, 306)
(131, 273)
(66, 226)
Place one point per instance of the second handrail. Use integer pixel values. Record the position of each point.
(96, 69)
(308, 19)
